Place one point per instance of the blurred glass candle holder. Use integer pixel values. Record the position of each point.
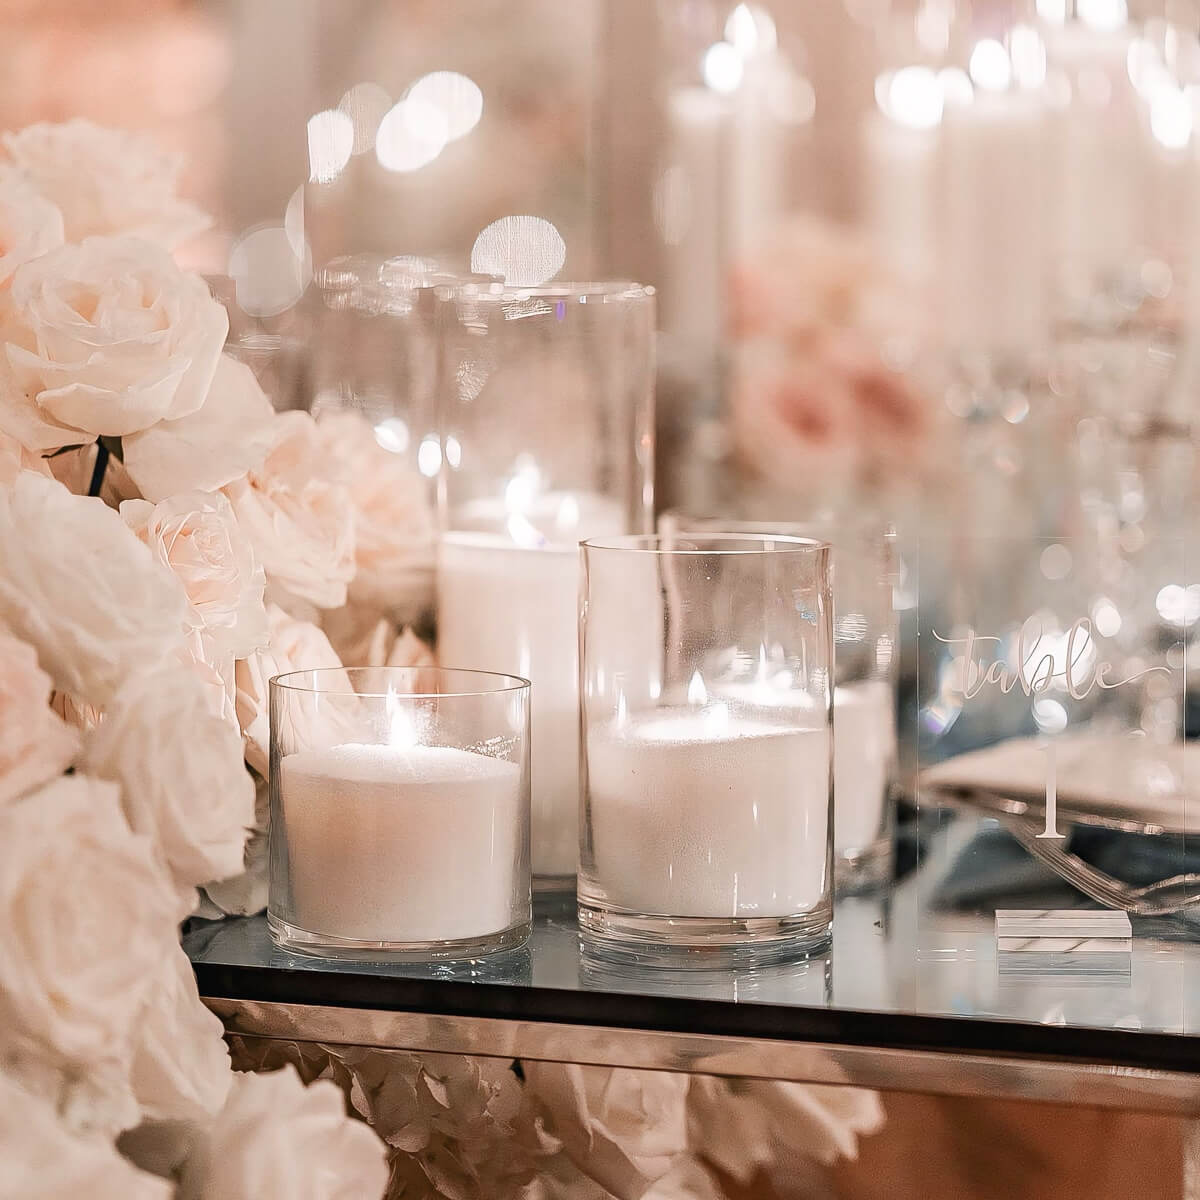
(546, 402)
(865, 702)
(707, 834)
(399, 812)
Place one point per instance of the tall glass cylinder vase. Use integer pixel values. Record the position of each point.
(706, 668)
(865, 574)
(546, 424)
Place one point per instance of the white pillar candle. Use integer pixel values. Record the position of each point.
(401, 844)
(515, 609)
(1094, 153)
(696, 813)
(994, 277)
(900, 192)
(689, 204)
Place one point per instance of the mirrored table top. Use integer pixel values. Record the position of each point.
(903, 974)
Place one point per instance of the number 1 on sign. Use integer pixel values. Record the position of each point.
(1051, 830)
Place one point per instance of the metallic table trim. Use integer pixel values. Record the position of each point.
(1013, 1077)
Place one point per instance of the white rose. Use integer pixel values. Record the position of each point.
(14, 459)
(275, 1139)
(291, 646)
(181, 1069)
(244, 894)
(86, 917)
(393, 521)
(299, 521)
(196, 536)
(43, 1160)
(106, 339)
(230, 433)
(82, 590)
(746, 1126)
(107, 181)
(183, 780)
(622, 1128)
(30, 224)
(35, 744)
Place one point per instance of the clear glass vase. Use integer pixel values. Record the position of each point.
(546, 438)
(707, 676)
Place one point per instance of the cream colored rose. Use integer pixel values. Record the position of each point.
(35, 744)
(216, 445)
(196, 536)
(30, 224)
(183, 781)
(43, 1159)
(14, 459)
(393, 520)
(747, 1126)
(275, 1139)
(78, 586)
(299, 520)
(291, 646)
(105, 339)
(107, 181)
(622, 1128)
(86, 918)
(181, 1069)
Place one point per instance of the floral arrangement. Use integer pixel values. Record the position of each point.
(168, 543)
(824, 397)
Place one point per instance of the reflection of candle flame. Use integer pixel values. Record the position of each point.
(401, 730)
(697, 693)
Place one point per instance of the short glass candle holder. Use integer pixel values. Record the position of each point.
(399, 813)
(865, 701)
(706, 677)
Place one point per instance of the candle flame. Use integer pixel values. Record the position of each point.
(697, 693)
(523, 531)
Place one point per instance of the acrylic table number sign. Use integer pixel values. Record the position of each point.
(1052, 723)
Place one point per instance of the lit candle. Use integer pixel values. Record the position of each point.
(699, 813)
(401, 844)
(508, 601)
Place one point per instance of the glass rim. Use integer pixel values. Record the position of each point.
(649, 543)
(583, 290)
(821, 528)
(513, 683)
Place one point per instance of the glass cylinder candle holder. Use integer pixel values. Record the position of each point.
(865, 700)
(707, 685)
(399, 812)
(546, 439)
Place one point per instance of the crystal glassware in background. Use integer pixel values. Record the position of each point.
(546, 438)
(399, 812)
(706, 672)
(865, 702)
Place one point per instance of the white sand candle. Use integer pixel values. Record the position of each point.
(514, 608)
(697, 813)
(864, 751)
(401, 844)
(864, 755)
